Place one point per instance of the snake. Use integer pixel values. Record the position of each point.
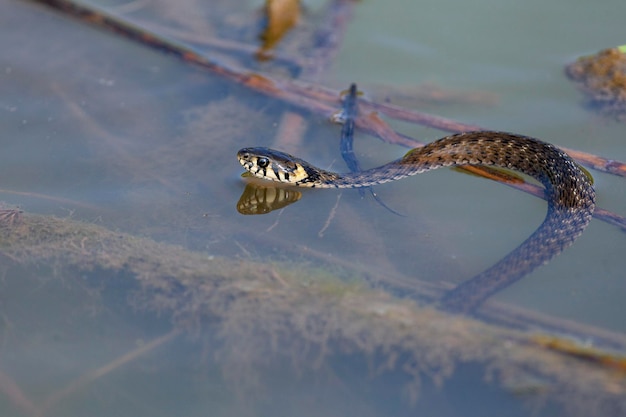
(568, 189)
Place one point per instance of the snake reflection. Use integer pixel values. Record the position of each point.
(568, 188)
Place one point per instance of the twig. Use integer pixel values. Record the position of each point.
(57, 199)
(596, 162)
(349, 114)
(16, 396)
(313, 98)
(91, 376)
(310, 97)
(331, 216)
(380, 128)
(229, 46)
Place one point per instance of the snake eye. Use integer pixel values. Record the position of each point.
(263, 162)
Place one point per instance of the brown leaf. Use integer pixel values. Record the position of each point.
(281, 15)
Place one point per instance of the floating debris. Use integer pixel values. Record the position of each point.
(602, 77)
(585, 353)
(282, 15)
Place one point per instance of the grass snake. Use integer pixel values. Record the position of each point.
(568, 190)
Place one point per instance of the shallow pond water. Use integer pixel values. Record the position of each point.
(132, 286)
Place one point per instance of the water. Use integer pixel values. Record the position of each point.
(133, 287)
(516, 52)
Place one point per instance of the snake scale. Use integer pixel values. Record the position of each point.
(568, 190)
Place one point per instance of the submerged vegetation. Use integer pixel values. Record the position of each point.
(162, 240)
(602, 77)
(311, 316)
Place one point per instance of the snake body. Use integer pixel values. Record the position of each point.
(568, 190)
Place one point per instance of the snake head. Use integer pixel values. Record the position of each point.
(269, 164)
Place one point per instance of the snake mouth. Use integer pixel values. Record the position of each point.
(246, 164)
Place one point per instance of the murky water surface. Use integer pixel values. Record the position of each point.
(131, 285)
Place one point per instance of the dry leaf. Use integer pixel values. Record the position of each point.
(281, 15)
